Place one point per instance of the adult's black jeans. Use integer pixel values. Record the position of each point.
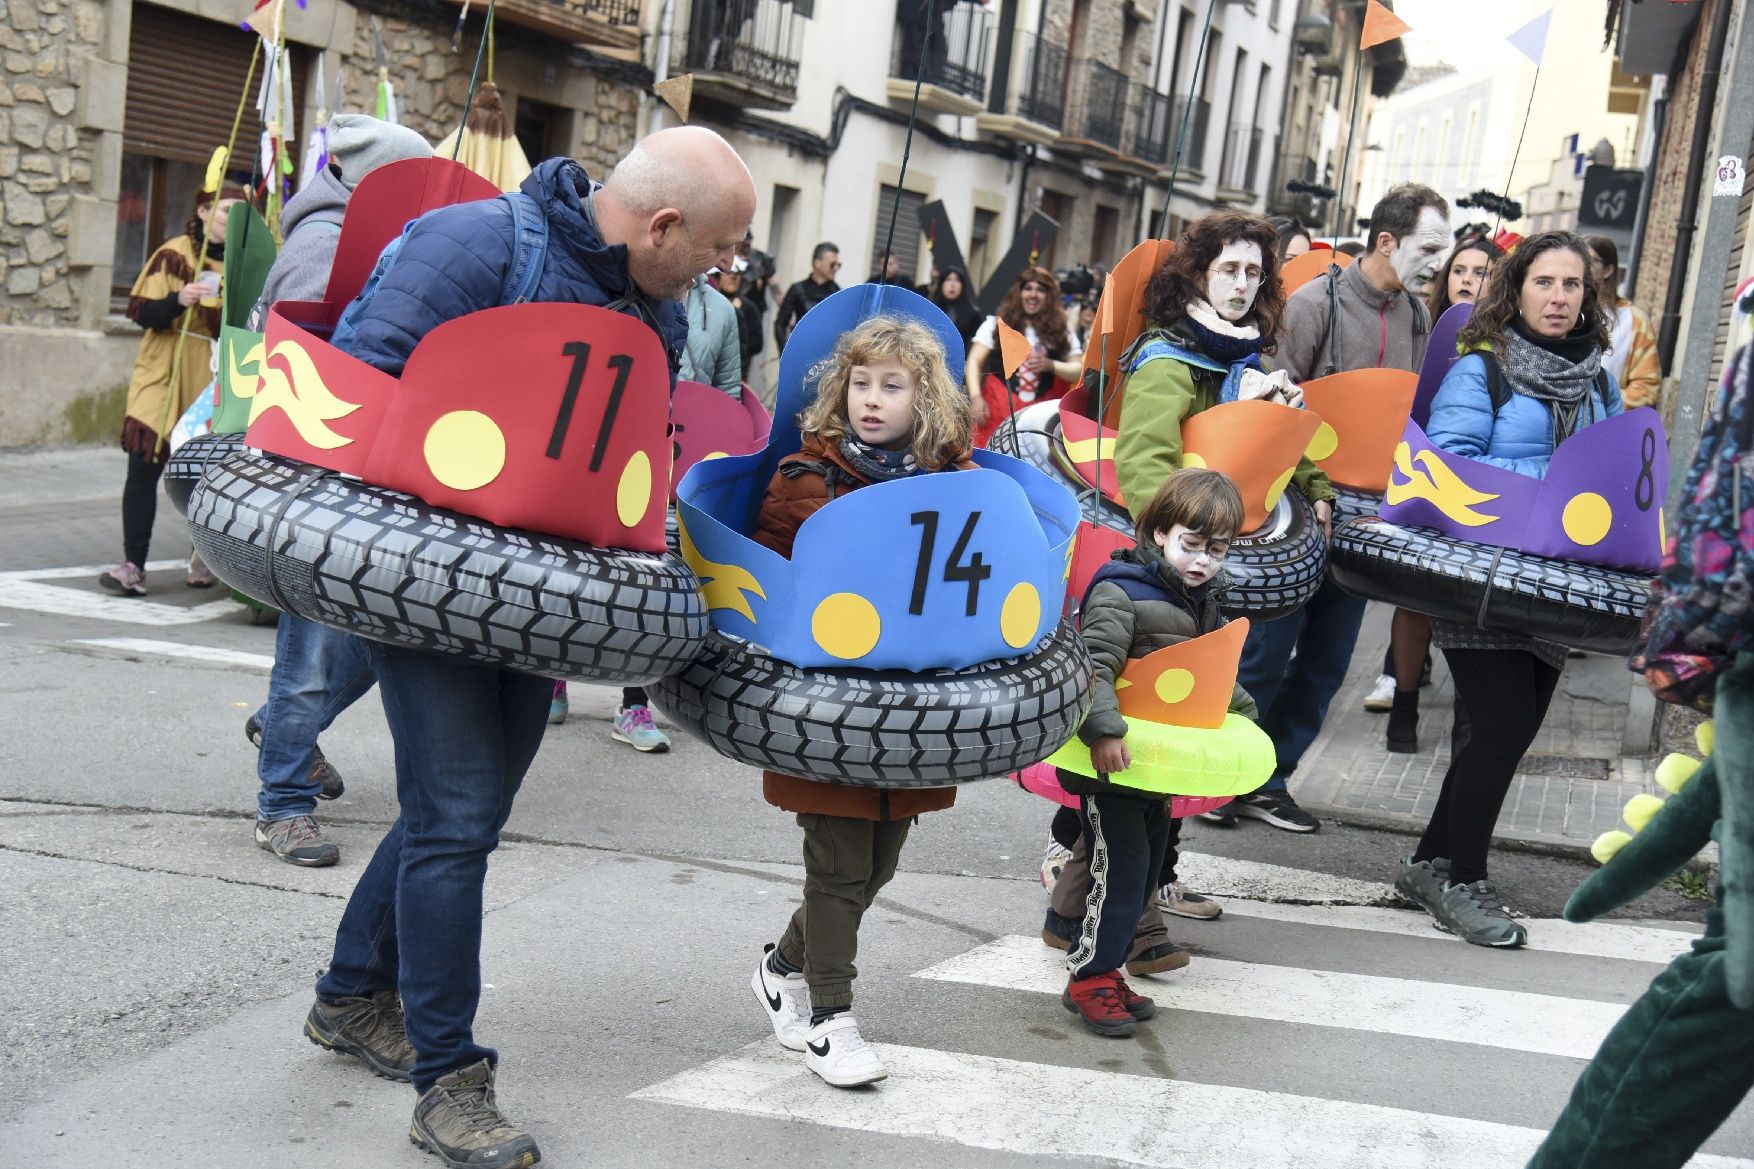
(1503, 694)
(139, 507)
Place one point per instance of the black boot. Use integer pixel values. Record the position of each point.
(1403, 732)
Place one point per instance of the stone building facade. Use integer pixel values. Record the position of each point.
(66, 174)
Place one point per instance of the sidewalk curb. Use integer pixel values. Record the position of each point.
(1560, 847)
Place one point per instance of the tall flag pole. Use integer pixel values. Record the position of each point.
(1181, 138)
(1531, 41)
(1380, 25)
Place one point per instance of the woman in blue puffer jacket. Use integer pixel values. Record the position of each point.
(1531, 377)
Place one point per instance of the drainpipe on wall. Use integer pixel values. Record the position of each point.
(650, 105)
(1659, 121)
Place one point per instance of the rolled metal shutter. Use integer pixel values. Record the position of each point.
(185, 76)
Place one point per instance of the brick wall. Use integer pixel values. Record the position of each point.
(1668, 173)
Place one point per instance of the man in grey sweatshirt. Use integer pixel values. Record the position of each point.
(318, 672)
(1371, 314)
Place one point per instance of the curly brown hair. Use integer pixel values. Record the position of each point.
(943, 413)
(1050, 323)
(1182, 278)
(1502, 303)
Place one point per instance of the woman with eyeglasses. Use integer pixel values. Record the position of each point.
(1033, 307)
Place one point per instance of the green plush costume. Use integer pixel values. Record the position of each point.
(1680, 1061)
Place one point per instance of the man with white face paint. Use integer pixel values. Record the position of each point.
(1371, 314)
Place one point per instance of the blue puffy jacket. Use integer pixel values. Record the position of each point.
(1519, 437)
(454, 261)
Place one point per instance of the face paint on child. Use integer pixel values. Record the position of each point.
(1418, 256)
(1234, 278)
(880, 404)
(1194, 557)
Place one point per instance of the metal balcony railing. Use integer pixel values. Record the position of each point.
(1096, 103)
(756, 44)
(1242, 154)
(620, 12)
(956, 58)
(1041, 97)
(1194, 152)
(1151, 125)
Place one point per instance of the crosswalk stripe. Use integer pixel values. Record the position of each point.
(1042, 1109)
(1226, 876)
(171, 649)
(1505, 1019)
(26, 590)
(1631, 943)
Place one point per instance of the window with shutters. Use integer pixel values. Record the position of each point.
(186, 77)
(906, 205)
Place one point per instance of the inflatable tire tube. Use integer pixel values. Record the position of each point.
(1583, 606)
(882, 728)
(1032, 434)
(1351, 503)
(183, 470)
(388, 567)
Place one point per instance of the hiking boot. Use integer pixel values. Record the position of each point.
(1159, 959)
(835, 1050)
(458, 1119)
(323, 773)
(126, 578)
(1053, 864)
(1224, 815)
(1382, 694)
(634, 726)
(1097, 1001)
(298, 841)
(787, 1000)
(1422, 882)
(1178, 899)
(1473, 912)
(1136, 1004)
(1276, 808)
(1403, 732)
(368, 1028)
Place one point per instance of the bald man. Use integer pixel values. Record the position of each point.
(401, 990)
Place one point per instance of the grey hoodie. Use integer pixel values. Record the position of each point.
(311, 227)
(1370, 328)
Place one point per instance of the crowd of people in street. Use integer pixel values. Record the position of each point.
(665, 240)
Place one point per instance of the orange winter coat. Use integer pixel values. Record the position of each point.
(790, 500)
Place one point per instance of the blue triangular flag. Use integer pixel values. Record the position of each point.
(1531, 39)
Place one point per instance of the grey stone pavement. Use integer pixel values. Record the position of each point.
(1571, 787)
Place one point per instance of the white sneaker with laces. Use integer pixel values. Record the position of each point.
(786, 1000)
(1382, 695)
(835, 1050)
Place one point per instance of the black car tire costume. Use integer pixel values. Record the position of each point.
(1583, 606)
(385, 566)
(186, 465)
(882, 728)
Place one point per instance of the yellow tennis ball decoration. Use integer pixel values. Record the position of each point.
(1705, 734)
(1639, 810)
(1674, 772)
(1608, 844)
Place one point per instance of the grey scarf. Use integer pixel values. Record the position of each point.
(875, 463)
(1557, 382)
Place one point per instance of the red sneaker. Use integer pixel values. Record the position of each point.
(1137, 1005)
(1097, 1001)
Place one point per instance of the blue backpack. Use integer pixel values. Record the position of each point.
(529, 252)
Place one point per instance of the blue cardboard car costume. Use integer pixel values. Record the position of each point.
(914, 639)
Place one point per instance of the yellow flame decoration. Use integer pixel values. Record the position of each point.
(245, 375)
(1439, 486)
(723, 585)
(307, 402)
(1084, 450)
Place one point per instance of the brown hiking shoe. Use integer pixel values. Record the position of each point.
(458, 1119)
(368, 1028)
(322, 771)
(297, 840)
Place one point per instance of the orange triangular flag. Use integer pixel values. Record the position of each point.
(677, 92)
(1014, 348)
(1380, 25)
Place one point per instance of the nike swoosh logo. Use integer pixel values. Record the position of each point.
(819, 1052)
(773, 1000)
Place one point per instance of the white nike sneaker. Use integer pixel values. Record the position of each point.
(1382, 695)
(787, 1001)
(835, 1050)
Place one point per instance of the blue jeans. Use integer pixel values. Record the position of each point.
(465, 735)
(1293, 693)
(318, 673)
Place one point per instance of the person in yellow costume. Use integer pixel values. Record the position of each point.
(173, 285)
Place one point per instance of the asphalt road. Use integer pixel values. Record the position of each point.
(158, 964)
